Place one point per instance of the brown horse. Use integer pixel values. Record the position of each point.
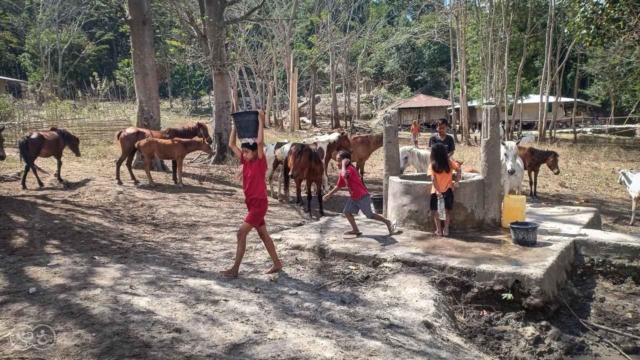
(2, 153)
(169, 149)
(362, 147)
(533, 159)
(45, 144)
(130, 136)
(304, 162)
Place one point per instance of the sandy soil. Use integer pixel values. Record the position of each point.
(125, 271)
(133, 272)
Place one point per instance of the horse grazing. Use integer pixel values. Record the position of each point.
(330, 143)
(45, 144)
(130, 136)
(533, 159)
(276, 154)
(169, 149)
(304, 162)
(512, 167)
(631, 180)
(362, 146)
(2, 153)
(418, 158)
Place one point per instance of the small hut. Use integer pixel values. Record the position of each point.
(11, 86)
(423, 108)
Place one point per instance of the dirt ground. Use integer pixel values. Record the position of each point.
(126, 271)
(133, 272)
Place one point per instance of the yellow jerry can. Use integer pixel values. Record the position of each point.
(514, 208)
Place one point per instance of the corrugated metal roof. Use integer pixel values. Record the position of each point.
(422, 101)
(535, 99)
(11, 79)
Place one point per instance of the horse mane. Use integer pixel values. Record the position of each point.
(378, 139)
(64, 134)
(543, 155)
(187, 131)
(327, 138)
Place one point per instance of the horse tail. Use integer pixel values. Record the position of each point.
(119, 134)
(137, 145)
(285, 172)
(23, 148)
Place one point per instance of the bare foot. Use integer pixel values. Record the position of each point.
(273, 269)
(436, 233)
(231, 273)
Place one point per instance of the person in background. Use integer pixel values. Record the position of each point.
(254, 169)
(443, 177)
(415, 132)
(441, 137)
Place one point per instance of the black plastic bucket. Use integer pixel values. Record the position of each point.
(378, 203)
(524, 233)
(246, 124)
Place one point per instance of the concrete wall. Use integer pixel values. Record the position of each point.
(409, 196)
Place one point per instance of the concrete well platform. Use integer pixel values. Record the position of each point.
(490, 256)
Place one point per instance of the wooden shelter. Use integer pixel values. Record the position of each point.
(423, 108)
(7, 82)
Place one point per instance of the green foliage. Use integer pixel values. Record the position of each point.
(507, 296)
(7, 109)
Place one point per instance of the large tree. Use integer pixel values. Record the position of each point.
(144, 64)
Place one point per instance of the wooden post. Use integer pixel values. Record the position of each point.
(391, 152)
(491, 165)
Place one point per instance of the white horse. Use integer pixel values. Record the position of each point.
(512, 167)
(631, 180)
(529, 139)
(418, 158)
(275, 157)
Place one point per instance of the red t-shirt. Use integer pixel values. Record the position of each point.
(356, 187)
(253, 176)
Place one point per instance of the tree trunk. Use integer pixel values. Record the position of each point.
(234, 93)
(169, 87)
(542, 110)
(312, 95)
(335, 121)
(506, 77)
(516, 97)
(462, 66)
(144, 70)
(269, 104)
(557, 86)
(252, 97)
(221, 82)
(452, 78)
(358, 90)
(576, 83)
(612, 98)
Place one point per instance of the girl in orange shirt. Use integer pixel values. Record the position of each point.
(415, 132)
(443, 176)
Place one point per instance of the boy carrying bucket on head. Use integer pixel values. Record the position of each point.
(254, 169)
(442, 175)
(359, 199)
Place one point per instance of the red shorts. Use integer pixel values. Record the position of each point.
(257, 211)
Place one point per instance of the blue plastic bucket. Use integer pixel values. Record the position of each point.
(246, 124)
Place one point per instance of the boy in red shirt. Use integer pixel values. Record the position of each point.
(254, 169)
(359, 199)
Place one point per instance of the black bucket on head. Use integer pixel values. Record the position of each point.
(246, 124)
(378, 203)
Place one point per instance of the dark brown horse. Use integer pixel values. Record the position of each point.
(533, 159)
(362, 146)
(304, 162)
(2, 153)
(45, 144)
(130, 136)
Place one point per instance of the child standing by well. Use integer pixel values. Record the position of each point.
(359, 199)
(443, 176)
(254, 169)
